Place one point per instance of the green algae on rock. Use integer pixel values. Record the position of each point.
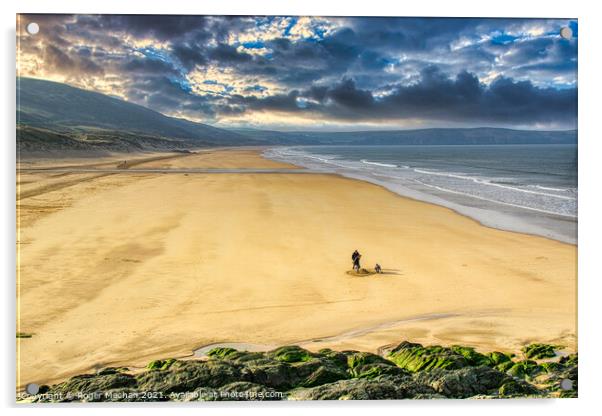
(408, 371)
(415, 357)
(160, 364)
(539, 351)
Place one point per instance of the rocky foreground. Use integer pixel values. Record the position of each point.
(408, 371)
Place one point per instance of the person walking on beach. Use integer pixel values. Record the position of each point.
(356, 260)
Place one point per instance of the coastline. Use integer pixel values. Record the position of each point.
(489, 213)
(179, 240)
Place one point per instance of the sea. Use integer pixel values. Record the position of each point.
(524, 188)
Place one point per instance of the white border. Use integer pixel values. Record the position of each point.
(590, 272)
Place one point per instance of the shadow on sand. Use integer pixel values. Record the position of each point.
(370, 272)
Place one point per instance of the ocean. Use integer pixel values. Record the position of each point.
(524, 188)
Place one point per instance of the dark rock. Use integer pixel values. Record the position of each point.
(88, 383)
(336, 357)
(378, 369)
(287, 367)
(184, 376)
(112, 370)
(303, 369)
(324, 374)
(86, 387)
(464, 382)
(517, 388)
(248, 391)
(290, 354)
(411, 387)
(353, 389)
(277, 375)
(132, 395)
(238, 391)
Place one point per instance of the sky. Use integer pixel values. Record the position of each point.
(317, 73)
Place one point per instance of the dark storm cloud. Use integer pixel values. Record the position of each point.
(74, 63)
(472, 71)
(408, 33)
(228, 54)
(435, 97)
(279, 102)
(141, 66)
(189, 55)
(165, 92)
(162, 27)
(347, 95)
(464, 98)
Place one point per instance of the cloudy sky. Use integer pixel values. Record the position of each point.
(309, 73)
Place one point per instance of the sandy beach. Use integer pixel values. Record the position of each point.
(119, 269)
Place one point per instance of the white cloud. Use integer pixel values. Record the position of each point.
(213, 80)
(284, 27)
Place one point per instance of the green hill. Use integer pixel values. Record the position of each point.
(86, 119)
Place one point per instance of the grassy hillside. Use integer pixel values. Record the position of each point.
(76, 113)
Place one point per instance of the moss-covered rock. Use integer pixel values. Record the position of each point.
(221, 352)
(86, 384)
(184, 376)
(338, 358)
(472, 357)
(504, 366)
(160, 364)
(569, 360)
(525, 368)
(359, 359)
(371, 371)
(408, 371)
(496, 358)
(539, 351)
(415, 357)
(560, 378)
(551, 367)
(290, 354)
(369, 366)
(517, 388)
